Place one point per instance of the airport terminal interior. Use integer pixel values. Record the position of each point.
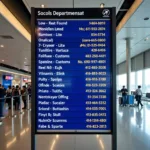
(128, 48)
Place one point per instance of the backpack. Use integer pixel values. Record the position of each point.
(16, 92)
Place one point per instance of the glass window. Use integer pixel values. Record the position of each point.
(139, 78)
(133, 86)
(147, 80)
(122, 80)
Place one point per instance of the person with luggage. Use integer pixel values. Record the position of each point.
(124, 92)
(139, 96)
(8, 96)
(17, 97)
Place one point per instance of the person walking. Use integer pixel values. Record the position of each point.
(139, 96)
(8, 96)
(24, 96)
(124, 92)
(29, 91)
(17, 97)
(13, 89)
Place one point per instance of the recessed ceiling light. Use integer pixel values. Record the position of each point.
(146, 39)
(102, 5)
(25, 58)
(43, 6)
(2, 60)
(146, 18)
(1, 46)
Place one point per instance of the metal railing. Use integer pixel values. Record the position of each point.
(20, 99)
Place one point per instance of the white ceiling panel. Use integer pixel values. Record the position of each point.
(136, 34)
(138, 30)
(96, 3)
(120, 57)
(15, 50)
(50, 3)
(69, 3)
(138, 48)
(137, 19)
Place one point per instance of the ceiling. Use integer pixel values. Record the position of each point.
(137, 29)
(15, 50)
(69, 3)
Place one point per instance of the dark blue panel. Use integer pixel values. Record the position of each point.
(73, 75)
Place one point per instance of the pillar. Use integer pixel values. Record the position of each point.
(128, 63)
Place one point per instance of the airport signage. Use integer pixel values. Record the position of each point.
(73, 70)
(6, 77)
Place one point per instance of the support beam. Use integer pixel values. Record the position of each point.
(128, 62)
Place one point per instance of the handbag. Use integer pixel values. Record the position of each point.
(136, 97)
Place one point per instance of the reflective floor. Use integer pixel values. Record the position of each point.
(133, 134)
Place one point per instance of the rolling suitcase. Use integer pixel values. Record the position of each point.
(131, 100)
(120, 100)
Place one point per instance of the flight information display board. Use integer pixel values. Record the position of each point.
(73, 70)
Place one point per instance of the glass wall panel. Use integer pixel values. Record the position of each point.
(139, 78)
(122, 81)
(147, 80)
(133, 85)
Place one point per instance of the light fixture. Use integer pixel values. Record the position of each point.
(146, 18)
(1, 46)
(25, 58)
(2, 60)
(43, 6)
(146, 39)
(102, 5)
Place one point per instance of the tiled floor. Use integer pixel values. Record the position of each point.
(133, 134)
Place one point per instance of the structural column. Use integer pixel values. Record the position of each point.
(128, 62)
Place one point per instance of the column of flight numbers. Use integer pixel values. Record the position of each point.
(95, 72)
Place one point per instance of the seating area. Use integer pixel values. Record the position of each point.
(146, 97)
